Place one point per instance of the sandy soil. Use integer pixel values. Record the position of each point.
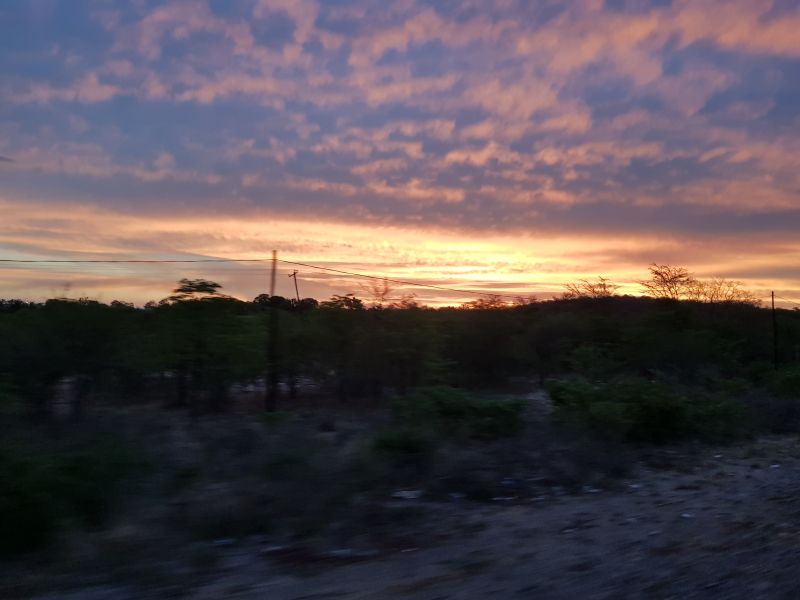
(723, 523)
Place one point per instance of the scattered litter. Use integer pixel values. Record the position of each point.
(687, 516)
(718, 456)
(224, 542)
(654, 532)
(407, 494)
(635, 486)
(539, 499)
(775, 466)
(588, 489)
(414, 549)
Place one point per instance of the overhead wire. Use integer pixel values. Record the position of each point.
(398, 281)
(788, 300)
(260, 260)
(431, 286)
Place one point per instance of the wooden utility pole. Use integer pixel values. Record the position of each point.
(291, 371)
(271, 396)
(274, 272)
(293, 275)
(774, 334)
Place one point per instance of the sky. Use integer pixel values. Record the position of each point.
(506, 146)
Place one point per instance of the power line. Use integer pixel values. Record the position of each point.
(398, 281)
(255, 260)
(192, 260)
(787, 300)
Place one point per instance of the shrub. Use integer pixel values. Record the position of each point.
(776, 414)
(10, 403)
(596, 363)
(30, 513)
(40, 491)
(88, 478)
(274, 418)
(454, 413)
(785, 383)
(404, 446)
(635, 409)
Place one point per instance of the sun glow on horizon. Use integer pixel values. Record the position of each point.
(501, 147)
(521, 265)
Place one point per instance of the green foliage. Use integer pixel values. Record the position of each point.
(194, 289)
(596, 363)
(404, 446)
(274, 418)
(785, 382)
(455, 413)
(10, 403)
(42, 491)
(191, 352)
(434, 415)
(639, 410)
(346, 302)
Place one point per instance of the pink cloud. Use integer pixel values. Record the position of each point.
(89, 89)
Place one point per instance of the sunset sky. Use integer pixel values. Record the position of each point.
(504, 145)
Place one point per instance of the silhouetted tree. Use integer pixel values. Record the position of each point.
(602, 288)
(720, 290)
(195, 289)
(669, 282)
(677, 283)
(489, 303)
(346, 302)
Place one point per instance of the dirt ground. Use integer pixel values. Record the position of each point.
(722, 523)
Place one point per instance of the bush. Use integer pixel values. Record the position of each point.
(40, 492)
(29, 509)
(454, 413)
(638, 410)
(785, 383)
(10, 403)
(776, 414)
(405, 447)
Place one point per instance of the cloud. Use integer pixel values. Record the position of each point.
(88, 89)
(90, 160)
(179, 21)
(565, 118)
(738, 24)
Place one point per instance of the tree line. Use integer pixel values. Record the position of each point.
(191, 349)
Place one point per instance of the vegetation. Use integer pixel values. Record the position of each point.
(677, 283)
(692, 361)
(41, 489)
(194, 346)
(447, 412)
(640, 410)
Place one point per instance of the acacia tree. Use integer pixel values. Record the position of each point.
(602, 288)
(720, 290)
(379, 291)
(207, 341)
(490, 302)
(195, 289)
(346, 302)
(674, 283)
(677, 283)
